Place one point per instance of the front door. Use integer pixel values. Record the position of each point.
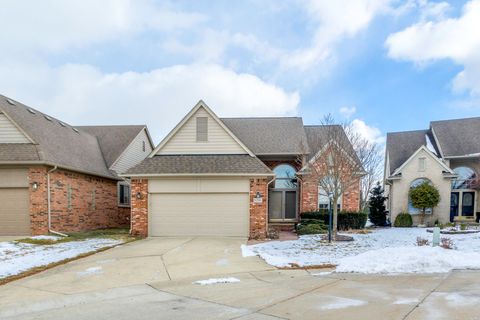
(468, 201)
(282, 205)
(462, 203)
(454, 205)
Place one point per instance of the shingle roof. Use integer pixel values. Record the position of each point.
(55, 144)
(113, 140)
(200, 164)
(458, 137)
(263, 136)
(401, 145)
(18, 152)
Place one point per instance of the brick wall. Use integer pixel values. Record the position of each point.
(38, 200)
(79, 202)
(258, 211)
(139, 223)
(351, 198)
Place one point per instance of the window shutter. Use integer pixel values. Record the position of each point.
(202, 129)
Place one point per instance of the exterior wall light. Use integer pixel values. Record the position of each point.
(139, 195)
(35, 186)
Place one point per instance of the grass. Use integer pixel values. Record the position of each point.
(117, 234)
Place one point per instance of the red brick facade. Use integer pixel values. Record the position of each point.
(139, 223)
(258, 210)
(79, 202)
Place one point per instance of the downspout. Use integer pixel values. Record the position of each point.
(49, 206)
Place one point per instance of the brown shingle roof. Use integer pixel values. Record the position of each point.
(18, 152)
(200, 164)
(113, 140)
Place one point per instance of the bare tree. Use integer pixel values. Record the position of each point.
(337, 161)
(371, 157)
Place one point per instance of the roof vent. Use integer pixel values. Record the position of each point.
(76, 130)
(31, 111)
(10, 102)
(48, 118)
(62, 124)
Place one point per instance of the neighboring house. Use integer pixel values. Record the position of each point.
(446, 155)
(227, 177)
(61, 178)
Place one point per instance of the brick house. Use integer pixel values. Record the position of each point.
(215, 176)
(56, 177)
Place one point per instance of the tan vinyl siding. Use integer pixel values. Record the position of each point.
(185, 139)
(199, 207)
(9, 133)
(13, 178)
(134, 153)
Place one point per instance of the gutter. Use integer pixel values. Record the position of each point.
(152, 175)
(49, 205)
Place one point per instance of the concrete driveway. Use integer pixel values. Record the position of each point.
(153, 279)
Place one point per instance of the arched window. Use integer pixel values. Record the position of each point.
(416, 183)
(285, 177)
(466, 178)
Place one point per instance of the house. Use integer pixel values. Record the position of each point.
(215, 176)
(447, 155)
(60, 178)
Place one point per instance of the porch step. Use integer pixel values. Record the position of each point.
(282, 226)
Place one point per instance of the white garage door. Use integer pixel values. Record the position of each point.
(14, 202)
(199, 207)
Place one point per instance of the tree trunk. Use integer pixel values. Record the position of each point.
(422, 217)
(335, 219)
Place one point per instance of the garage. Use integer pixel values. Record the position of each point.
(14, 200)
(199, 207)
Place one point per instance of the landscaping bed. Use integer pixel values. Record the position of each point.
(35, 254)
(389, 250)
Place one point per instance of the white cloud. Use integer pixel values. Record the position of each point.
(55, 25)
(370, 133)
(348, 112)
(335, 20)
(81, 94)
(456, 39)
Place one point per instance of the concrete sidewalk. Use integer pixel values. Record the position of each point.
(153, 279)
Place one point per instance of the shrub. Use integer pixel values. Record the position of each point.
(422, 242)
(447, 243)
(346, 220)
(403, 220)
(311, 228)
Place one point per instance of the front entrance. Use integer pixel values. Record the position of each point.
(282, 204)
(462, 203)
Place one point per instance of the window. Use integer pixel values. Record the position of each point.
(285, 177)
(123, 194)
(422, 164)
(202, 129)
(143, 146)
(324, 201)
(466, 178)
(411, 209)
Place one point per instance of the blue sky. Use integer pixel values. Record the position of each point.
(386, 65)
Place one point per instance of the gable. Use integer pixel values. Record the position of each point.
(211, 137)
(9, 132)
(433, 165)
(134, 153)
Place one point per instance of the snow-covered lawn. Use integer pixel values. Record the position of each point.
(391, 250)
(17, 257)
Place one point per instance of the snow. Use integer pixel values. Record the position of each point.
(17, 257)
(216, 281)
(389, 250)
(342, 303)
(90, 271)
(52, 238)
